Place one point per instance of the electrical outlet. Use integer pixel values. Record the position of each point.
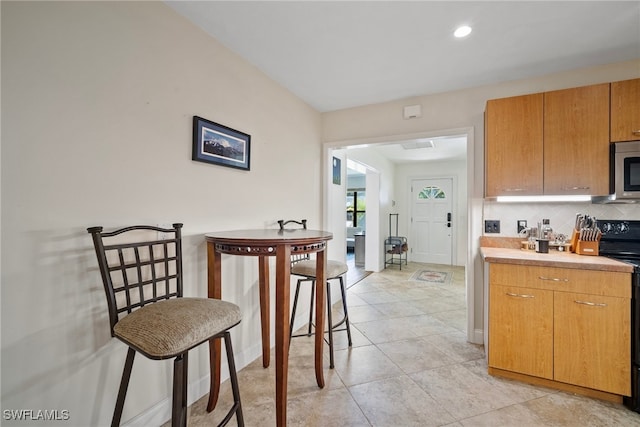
(492, 226)
(522, 224)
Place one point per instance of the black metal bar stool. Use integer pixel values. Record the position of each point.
(306, 268)
(143, 283)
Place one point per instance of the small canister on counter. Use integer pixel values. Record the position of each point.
(542, 246)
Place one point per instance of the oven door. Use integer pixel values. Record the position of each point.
(633, 401)
(627, 170)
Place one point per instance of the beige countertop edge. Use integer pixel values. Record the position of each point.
(553, 259)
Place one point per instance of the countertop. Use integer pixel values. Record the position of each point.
(552, 259)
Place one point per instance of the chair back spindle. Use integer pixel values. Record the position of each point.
(138, 273)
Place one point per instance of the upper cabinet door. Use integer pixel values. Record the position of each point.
(513, 146)
(625, 111)
(576, 140)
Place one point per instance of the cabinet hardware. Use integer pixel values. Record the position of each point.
(553, 279)
(636, 132)
(513, 189)
(576, 188)
(520, 295)
(591, 304)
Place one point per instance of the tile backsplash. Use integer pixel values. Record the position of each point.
(561, 215)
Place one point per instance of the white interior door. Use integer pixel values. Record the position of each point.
(431, 220)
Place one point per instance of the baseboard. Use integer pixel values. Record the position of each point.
(478, 336)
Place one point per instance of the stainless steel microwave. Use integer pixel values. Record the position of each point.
(624, 180)
(626, 160)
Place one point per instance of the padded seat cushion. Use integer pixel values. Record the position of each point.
(308, 268)
(171, 327)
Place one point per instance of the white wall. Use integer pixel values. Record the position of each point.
(375, 238)
(434, 169)
(97, 107)
(459, 109)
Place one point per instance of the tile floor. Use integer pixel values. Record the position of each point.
(410, 365)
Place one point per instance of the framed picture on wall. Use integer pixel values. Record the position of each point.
(220, 145)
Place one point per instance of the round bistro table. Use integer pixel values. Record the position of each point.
(264, 244)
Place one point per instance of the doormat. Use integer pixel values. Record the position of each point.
(431, 276)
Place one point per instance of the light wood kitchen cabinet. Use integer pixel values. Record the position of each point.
(625, 111)
(521, 332)
(513, 146)
(592, 342)
(576, 140)
(569, 326)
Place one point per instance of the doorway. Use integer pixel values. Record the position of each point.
(432, 228)
(356, 221)
(467, 206)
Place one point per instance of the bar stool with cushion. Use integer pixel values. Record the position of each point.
(142, 279)
(306, 268)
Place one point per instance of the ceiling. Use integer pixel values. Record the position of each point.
(339, 54)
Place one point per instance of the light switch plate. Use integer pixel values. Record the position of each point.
(492, 226)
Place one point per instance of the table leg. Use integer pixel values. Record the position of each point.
(283, 282)
(321, 284)
(263, 274)
(214, 283)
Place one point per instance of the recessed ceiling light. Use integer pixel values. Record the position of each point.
(462, 31)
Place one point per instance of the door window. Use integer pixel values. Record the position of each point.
(431, 192)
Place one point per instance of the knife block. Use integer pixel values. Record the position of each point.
(584, 247)
(574, 240)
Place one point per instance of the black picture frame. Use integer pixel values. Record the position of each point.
(220, 145)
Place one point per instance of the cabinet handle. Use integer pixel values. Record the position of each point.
(636, 132)
(553, 279)
(513, 189)
(576, 188)
(520, 295)
(591, 304)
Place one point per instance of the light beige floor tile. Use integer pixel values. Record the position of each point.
(460, 392)
(519, 391)
(426, 325)
(364, 364)
(563, 409)
(364, 313)
(455, 318)
(386, 330)
(354, 300)
(396, 309)
(515, 415)
(332, 408)
(436, 305)
(399, 401)
(378, 297)
(415, 355)
(456, 346)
